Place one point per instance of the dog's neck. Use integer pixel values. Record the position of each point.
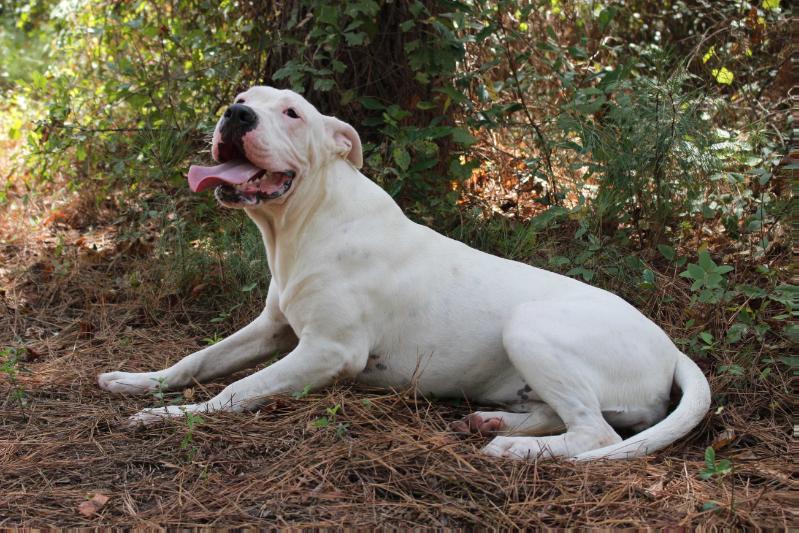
(337, 195)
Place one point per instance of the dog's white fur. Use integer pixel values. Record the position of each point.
(359, 291)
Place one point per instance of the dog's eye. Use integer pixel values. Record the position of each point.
(290, 112)
(240, 101)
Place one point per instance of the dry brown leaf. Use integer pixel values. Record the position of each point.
(91, 507)
(53, 217)
(723, 439)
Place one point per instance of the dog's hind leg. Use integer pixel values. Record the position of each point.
(256, 342)
(540, 419)
(554, 358)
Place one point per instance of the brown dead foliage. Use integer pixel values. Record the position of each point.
(388, 460)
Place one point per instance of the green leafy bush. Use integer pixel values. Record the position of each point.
(607, 116)
(644, 146)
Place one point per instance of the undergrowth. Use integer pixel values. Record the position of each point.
(531, 130)
(632, 146)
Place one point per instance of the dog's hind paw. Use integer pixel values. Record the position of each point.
(478, 423)
(128, 382)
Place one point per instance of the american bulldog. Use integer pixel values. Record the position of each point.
(360, 291)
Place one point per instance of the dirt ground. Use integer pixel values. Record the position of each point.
(384, 458)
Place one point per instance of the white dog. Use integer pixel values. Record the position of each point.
(359, 291)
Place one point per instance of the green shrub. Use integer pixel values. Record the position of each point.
(644, 147)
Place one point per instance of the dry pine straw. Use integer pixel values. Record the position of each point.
(393, 463)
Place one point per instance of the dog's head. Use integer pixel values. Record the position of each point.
(265, 141)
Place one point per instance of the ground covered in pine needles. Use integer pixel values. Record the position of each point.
(69, 310)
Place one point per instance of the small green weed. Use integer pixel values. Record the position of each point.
(713, 468)
(325, 421)
(301, 393)
(193, 421)
(718, 470)
(213, 339)
(708, 278)
(330, 421)
(733, 370)
(11, 365)
(249, 287)
(224, 315)
(341, 430)
(165, 397)
(709, 506)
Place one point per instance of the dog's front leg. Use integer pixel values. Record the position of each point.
(267, 334)
(314, 363)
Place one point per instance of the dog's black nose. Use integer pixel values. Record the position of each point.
(237, 120)
(241, 114)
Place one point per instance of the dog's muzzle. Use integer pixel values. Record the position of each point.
(239, 182)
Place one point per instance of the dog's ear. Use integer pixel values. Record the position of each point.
(346, 139)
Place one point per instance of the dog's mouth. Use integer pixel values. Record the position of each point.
(238, 181)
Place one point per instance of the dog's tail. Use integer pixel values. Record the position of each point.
(692, 408)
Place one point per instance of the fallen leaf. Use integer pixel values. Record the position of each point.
(723, 439)
(53, 217)
(91, 507)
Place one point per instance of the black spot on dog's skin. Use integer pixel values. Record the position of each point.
(522, 393)
(370, 364)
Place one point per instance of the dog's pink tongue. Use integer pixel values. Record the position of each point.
(233, 173)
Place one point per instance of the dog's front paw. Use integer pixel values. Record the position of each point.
(128, 382)
(154, 415)
(515, 448)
